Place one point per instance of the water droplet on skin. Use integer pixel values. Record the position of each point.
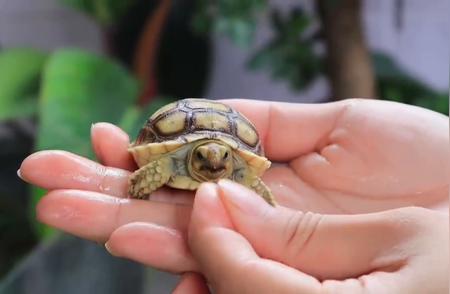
(81, 178)
(65, 212)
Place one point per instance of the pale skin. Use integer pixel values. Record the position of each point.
(350, 172)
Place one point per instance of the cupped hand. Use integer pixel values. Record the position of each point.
(348, 157)
(243, 245)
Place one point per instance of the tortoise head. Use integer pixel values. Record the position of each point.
(211, 161)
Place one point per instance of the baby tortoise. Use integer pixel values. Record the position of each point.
(192, 141)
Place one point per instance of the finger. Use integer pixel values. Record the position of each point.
(325, 246)
(289, 130)
(63, 170)
(228, 260)
(191, 283)
(172, 195)
(153, 245)
(95, 216)
(110, 145)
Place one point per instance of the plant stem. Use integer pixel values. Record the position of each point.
(348, 61)
(146, 51)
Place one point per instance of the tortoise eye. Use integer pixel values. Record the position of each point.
(199, 155)
(225, 156)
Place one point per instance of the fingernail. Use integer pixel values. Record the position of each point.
(208, 207)
(19, 174)
(108, 248)
(208, 190)
(242, 198)
(95, 145)
(92, 128)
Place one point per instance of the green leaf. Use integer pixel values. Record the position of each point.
(235, 19)
(79, 89)
(238, 30)
(385, 67)
(41, 230)
(262, 58)
(290, 54)
(20, 71)
(395, 83)
(104, 11)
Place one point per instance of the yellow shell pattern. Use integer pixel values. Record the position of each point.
(189, 120)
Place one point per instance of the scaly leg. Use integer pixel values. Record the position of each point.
(150, 177)
(257, 185)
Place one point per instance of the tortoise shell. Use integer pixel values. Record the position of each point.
(189, 120)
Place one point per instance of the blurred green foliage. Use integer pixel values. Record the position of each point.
(104, 11)
(67, 91)
(77, 90)
(236, 19)
(396, 84)
(20, 72)
(290, 54)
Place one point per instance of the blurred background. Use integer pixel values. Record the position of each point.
(67, 63)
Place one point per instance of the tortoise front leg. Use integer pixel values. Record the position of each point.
(150, 177)
(255, 183)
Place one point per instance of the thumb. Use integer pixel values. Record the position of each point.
(228, 260)
(325, 246)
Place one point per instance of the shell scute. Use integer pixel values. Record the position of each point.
(171, 123)
(246, 132)
(209, 120)
(207, 104)
(164, 109)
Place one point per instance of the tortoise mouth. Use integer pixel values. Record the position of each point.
(213, 172)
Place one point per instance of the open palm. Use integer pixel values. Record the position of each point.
(353, 156)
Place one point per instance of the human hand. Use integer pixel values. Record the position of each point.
(346, 157)
(243, 245)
